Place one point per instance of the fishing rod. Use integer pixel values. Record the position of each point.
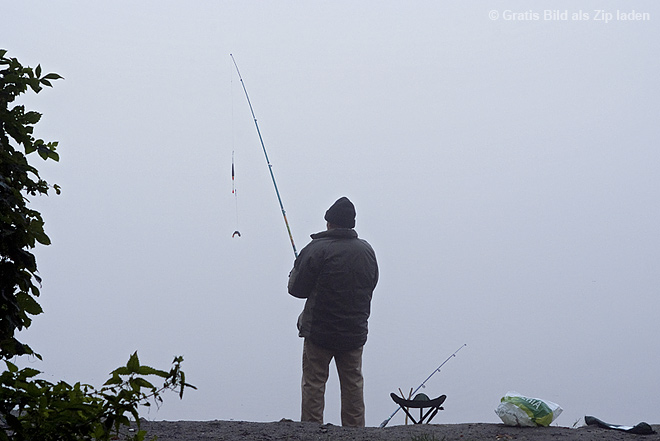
(270, 167)
(384, 423)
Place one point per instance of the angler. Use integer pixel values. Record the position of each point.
(336, 273)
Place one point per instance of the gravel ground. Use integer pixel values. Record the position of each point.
(286, 430)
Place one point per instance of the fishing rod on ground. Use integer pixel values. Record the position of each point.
(270, 167)
(384, 423)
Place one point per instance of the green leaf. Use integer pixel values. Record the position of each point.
(28, 304)
(34, 84)
(121, 371)
(115, 379)
(43, 152)
(133, 363)
(29, 372)
(139, 382)
(53, 76)
(41, 237)
(148, 370)
(37, 71)
(32, 117)
(183, 384)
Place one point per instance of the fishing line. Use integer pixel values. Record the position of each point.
(235, 193)
(270, 167)
(233, 139)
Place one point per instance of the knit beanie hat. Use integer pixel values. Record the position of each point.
(342, 213)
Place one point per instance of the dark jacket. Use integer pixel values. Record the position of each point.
(337, 273)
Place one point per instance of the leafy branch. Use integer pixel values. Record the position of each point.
(32, 408)
(21, 227)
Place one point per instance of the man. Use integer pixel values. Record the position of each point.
(337, 273)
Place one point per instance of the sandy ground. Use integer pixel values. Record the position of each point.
(294, 431)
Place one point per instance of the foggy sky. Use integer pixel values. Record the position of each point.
(505, 172)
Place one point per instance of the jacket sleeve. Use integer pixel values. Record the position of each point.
(302, 277)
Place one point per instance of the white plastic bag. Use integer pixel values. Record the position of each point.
(518, 410)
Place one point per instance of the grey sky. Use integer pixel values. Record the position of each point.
(505, 171)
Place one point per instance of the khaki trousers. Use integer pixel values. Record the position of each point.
(316, 368)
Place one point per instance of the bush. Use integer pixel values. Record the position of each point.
(32, 408)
